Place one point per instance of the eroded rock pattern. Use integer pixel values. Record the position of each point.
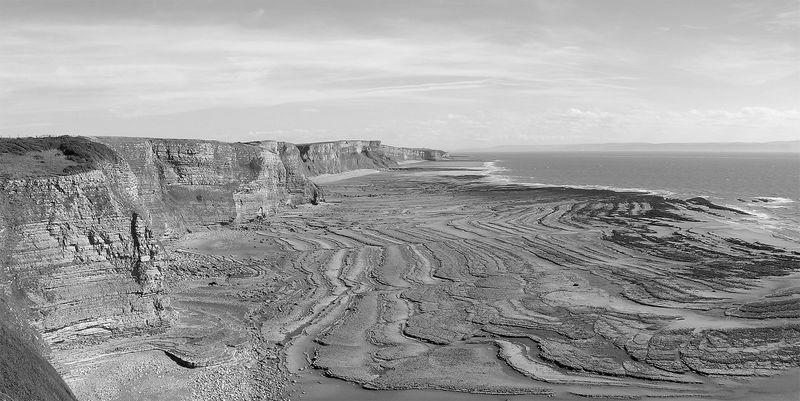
(188, 183)
(82, 257)
(412, 281)
(405, 280)
(400, 154)
(340, 156)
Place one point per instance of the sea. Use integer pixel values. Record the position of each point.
(765, 185)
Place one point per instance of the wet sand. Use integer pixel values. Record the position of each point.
(429, 282)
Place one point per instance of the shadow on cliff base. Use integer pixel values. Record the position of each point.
(24, 374)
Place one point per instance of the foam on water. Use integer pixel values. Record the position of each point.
(490, 170)
(772, 199)
(751, 212)
(757, 208)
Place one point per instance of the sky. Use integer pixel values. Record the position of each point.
(449, 74)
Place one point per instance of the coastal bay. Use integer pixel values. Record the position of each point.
(429, 277)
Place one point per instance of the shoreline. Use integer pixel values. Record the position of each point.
(330, 178)
(758, 220)
(416, 279)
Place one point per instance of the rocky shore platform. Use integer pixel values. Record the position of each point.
(427, 282)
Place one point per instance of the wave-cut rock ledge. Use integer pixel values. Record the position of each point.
(179, 269)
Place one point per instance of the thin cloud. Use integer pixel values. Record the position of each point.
(527, 70)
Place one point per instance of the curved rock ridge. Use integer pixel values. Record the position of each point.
(406, 280)
(81, 225)
(83, 248)
(416, 282)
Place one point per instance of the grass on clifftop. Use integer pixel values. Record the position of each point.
(50, 156)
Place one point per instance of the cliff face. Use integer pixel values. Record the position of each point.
(400, 154)
(82, 245)
(81, 257)
(80, 254)
(339, 156)
(186, 183)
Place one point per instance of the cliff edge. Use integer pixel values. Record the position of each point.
(340, 156)
(82, 220)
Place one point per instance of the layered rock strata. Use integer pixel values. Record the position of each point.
(80, 235)
(81, 255)
(83, 247)
(339, 156)
(421, 283)
(402, 154)
(404, 281)
(189, 183)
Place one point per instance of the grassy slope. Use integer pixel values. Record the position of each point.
(50, 156)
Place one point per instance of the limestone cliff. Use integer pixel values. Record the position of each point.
(81, 222)
(401, 154)
(188, 183)
(81, 240)
(338, 156)
(80, 255)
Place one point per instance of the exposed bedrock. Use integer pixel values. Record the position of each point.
(189, 183)
(79, 253)
(404, 281)
(447, 283)
(733, 351)
(401, 154)
(82, 245)
(339, 156)
(81, 225)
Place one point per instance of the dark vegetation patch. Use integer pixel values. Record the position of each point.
(50, 156)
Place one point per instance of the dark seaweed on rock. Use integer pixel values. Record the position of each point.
(705, 202)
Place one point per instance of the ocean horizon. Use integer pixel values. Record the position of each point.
(764, 185)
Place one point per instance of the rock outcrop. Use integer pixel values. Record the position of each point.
(81, 231)
(83, 248)
(81, 256)
(188, 183)
(339, 156)
(401, 154)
